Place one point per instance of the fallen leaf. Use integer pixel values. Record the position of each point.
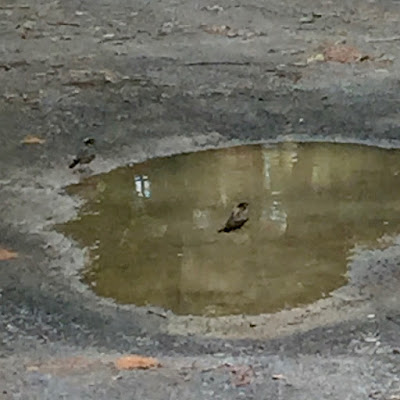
(136, 362)
(7, 254)
(343, 54)
(30, 139)
(242, 375)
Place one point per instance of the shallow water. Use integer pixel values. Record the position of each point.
(152, 227)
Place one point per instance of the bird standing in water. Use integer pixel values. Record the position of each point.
(85, 155)
(239, 216)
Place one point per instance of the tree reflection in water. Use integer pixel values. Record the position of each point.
(310, 204)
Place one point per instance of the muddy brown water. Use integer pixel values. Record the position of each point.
(151, 228)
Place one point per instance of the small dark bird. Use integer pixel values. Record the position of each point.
(85, 155)
(238, 217)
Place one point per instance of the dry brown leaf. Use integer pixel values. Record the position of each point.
(242, 375)
(30, 139)
(7, 254)
(136, 362)
(343, 54)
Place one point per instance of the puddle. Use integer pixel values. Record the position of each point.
(152, 228)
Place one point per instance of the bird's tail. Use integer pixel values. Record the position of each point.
(74, 163)
(221, 230)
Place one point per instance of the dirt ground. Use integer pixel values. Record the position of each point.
(153, 78)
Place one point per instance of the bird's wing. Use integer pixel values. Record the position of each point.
(239, 215)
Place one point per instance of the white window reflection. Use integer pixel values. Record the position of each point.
(267, 168)
(278, 215)
(143, 186)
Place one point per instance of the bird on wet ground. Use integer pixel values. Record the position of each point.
(86, 155)
(239, 216)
